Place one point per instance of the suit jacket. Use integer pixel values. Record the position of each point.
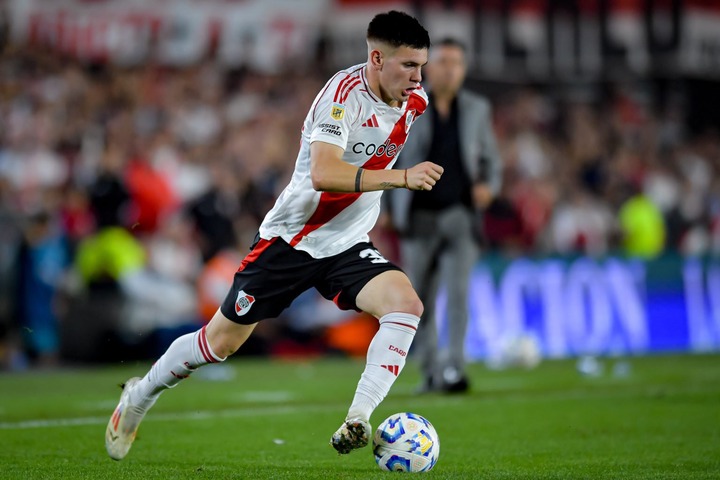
(477, 146)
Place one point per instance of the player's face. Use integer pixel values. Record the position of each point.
(400, 74)
(446, 70)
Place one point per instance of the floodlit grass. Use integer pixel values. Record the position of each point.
(273, 420)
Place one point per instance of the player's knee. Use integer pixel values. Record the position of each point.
(416, 307)
(409, 303)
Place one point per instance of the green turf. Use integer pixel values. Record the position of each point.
(274, 419)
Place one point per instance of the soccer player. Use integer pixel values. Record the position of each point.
(316, 235)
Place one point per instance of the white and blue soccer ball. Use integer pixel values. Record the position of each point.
(406, 442)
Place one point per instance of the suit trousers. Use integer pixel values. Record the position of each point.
(440, 248)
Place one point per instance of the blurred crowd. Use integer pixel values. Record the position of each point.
(150, 183)
(604, 171)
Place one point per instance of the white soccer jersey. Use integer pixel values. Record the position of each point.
(372, 133)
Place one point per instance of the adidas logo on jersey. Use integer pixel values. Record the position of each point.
(371, 122)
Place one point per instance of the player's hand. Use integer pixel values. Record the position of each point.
(423, 176)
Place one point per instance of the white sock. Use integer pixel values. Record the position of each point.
(385, 360)
(183, 357)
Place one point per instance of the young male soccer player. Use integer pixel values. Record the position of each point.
(316, 235)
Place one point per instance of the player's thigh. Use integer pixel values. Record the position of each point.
(362, 268)
(266, 283)
(390, 291)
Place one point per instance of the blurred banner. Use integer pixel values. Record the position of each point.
(513, 40)
(593, 307)
(265, 35)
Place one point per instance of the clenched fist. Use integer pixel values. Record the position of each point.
(423, 176)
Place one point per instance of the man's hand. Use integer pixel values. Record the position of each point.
(482, 195)
(423, 176)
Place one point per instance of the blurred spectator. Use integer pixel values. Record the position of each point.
(184, 168)
(581, 224)
(172, 251)
(214, 281)
(503, 229)
(151, 194)
(109, 197)
(109, 256)
(76, 216)
(213, 212)
(642, 226)
(43, 260)
(113, 257)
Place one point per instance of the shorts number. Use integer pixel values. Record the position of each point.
(373, 255)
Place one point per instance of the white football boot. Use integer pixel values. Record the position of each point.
(351, 435)
(123, 424)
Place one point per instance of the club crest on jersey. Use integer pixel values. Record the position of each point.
(337, 111)
(244, 303)
(409, 117)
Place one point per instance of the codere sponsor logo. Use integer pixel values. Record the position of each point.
(371, 149)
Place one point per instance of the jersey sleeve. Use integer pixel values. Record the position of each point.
(335, 112)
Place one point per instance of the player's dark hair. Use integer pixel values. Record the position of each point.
(398, 29)
(451, 42)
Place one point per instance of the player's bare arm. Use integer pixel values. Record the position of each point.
(331, 174)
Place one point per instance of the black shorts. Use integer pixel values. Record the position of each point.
(274, 274)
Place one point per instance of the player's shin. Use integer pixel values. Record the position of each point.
(181, 359)
(385, 360)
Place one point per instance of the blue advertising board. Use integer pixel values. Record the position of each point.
(585, 306)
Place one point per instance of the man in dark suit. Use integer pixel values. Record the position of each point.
(437, 226)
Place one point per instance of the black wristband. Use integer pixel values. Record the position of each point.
(358, 178)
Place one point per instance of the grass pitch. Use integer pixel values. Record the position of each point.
(273, 420)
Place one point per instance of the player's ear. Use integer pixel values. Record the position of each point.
(376, 59)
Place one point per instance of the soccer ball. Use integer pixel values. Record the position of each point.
(406, 442)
